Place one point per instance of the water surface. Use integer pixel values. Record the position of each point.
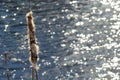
(78, 39)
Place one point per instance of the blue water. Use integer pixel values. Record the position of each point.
(78, 39)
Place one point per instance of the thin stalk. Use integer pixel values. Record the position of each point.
(6, 65)
(36, 74)
(32, 74)
(29, 5)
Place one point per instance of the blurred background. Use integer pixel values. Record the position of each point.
(78, 39)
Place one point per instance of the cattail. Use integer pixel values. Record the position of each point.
(33, 46)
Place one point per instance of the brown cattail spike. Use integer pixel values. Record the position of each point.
(33, 47)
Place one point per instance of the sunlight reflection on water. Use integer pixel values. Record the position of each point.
(79, 40)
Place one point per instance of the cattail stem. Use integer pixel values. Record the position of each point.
(6, 64)
(29, 5)
(32, 74)
(36, 74)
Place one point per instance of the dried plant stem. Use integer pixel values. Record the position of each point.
(36, 74)
(29, 4)
(6, 64)
(32, 74)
